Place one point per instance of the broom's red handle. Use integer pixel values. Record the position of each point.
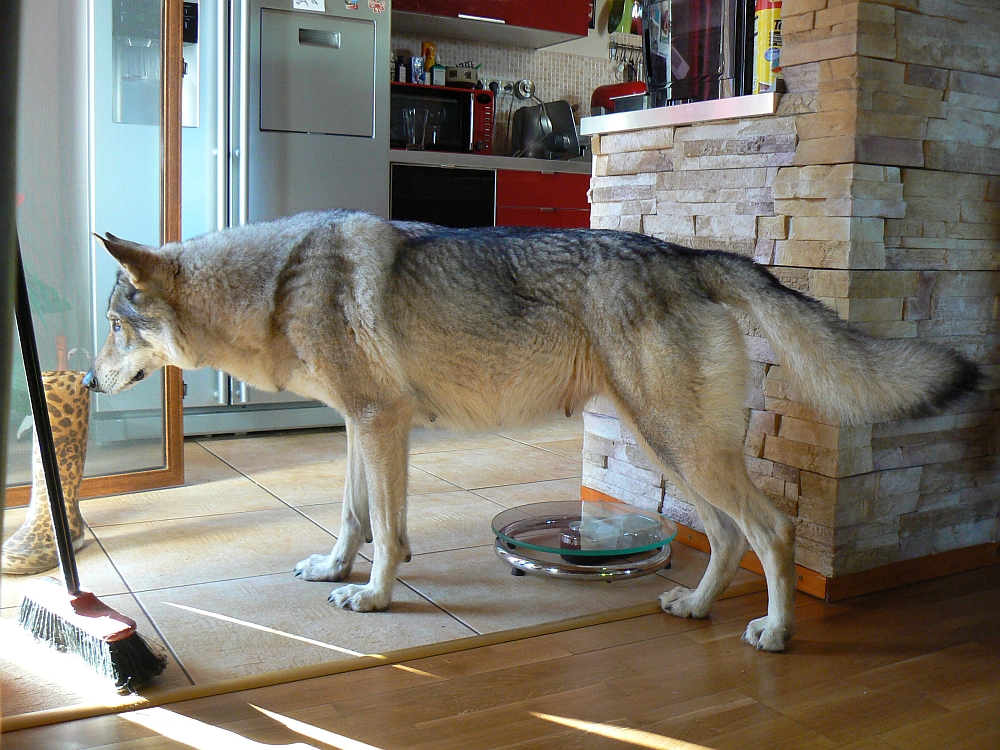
(43, 432)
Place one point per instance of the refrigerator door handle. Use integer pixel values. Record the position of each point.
(243, 392)
(222, 384)
(240, 112)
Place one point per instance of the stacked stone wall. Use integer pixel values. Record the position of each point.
(876, 189)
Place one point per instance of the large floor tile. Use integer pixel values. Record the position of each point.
(96, 571)
(555, 429)
(319, 483)
(233, 495)
(572, 448)
(435, 522)
(35, 677)
(435, 440)
(201, 465)
(484, 467)
(257, 452)
(185, 551)
(477, 588)
(552, 490)
(291, 609)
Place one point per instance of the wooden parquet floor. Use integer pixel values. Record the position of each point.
(916, 667)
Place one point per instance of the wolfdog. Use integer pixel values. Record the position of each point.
(397, 323)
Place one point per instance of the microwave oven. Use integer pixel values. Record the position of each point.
(459, 120)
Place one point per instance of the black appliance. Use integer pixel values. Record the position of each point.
(546, 131)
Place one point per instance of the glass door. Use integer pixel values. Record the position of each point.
(98, 151)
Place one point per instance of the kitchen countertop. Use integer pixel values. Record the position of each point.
(753, 105)
(482, 161)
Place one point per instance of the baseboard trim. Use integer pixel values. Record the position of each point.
(836, 588)
(918, 569)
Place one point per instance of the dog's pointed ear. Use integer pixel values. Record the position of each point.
(145, 266)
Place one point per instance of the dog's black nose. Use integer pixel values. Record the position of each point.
(90, 381)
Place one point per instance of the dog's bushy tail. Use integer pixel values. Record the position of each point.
(834, 369)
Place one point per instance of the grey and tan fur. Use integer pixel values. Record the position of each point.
(394, 324)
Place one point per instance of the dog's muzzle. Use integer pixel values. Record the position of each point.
(138, 376)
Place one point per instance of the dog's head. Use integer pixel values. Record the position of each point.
(143, 335)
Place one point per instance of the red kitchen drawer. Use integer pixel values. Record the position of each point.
(556, 218)
(538, 190)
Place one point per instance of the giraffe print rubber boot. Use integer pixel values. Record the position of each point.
(32, 548)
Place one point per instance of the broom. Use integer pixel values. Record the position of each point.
(72, 619)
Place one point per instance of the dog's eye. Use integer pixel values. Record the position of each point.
(116, 325)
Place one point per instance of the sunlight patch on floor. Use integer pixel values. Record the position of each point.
(623, 734)
(198, 734)
(70, 672)
(315, 733)
(303, 639)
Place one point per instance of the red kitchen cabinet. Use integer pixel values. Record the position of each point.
(534, 199)
(567, 16)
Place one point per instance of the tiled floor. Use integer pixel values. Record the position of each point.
(205, 568)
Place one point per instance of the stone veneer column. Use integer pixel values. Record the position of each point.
(875, 188)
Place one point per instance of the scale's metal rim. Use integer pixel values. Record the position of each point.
(571, 571)
(507, 534)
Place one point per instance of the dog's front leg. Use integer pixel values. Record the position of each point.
(355, 527)
(384, 442)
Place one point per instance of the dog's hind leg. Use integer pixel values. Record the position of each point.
(383, 438)
(728, 547)
(355, 526)
(723, 480)
(681, 386)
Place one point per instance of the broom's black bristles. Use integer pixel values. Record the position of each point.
(129, 662)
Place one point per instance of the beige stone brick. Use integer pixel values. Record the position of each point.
(877, 12)
(876, 284)
(829, 283)
(933, 184)
(905, 105)
(812, 253)
(837, 69)
(772, 227)
(754, 444)
(803, 6)
(961, 157)
(793, 408)
(668, 225)
(873, 309)
(789, 187)
(765, 422)
(726, 226)
(820, 49)
(796, 24)
(926, 76)
(802, 456)
(820, 228)
(818, 487)
(891, 125)
(810, 433)
(636, 162)
(901, 152)
(881, 44)
(837, 150)
(650, 139)
(835, 124)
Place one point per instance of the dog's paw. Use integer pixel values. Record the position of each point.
(323, 568)
(359, 598)
(682, 602)
(764, 636)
